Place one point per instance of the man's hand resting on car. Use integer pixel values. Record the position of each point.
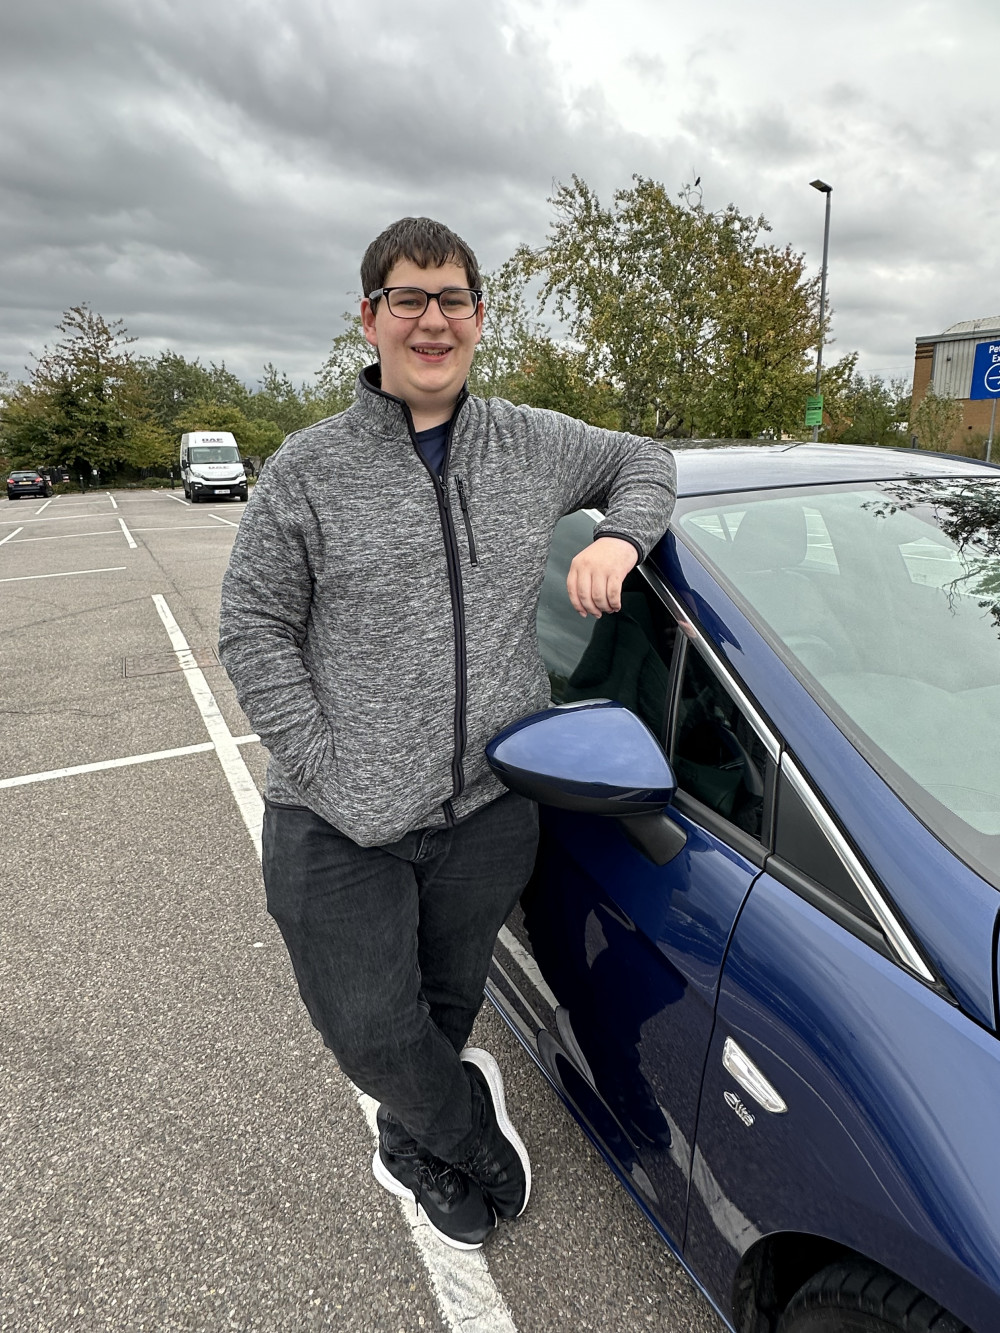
(596, 575)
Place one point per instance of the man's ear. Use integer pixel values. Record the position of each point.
(368, 322)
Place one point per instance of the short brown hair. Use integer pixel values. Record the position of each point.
(421, 240)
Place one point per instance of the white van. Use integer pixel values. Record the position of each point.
(211, 466)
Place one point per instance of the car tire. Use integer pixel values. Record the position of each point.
(863, 1298)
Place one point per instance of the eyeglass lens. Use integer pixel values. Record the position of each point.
(455, 302)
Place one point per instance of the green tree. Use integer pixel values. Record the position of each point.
(85, 405)
(172, 384)
(350, 352)
(557, 378)
(868, 410)
(511, 335)
(935, 421)
(279, 402)
(694, 321)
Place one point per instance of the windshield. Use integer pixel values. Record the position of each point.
(214, 453)
(884, 598)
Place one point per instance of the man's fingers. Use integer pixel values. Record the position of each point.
(579, 587)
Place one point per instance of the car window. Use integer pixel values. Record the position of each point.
(883, 598)
(717, 756)
(624, 656)
(801, 844)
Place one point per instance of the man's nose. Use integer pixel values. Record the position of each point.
(434, 316)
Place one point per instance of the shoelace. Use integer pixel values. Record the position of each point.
(439, 1176)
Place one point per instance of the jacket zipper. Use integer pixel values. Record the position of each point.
(457, 606)
(473, 558)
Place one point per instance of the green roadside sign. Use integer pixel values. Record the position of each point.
(814, 409)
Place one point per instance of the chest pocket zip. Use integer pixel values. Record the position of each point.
(463, 502)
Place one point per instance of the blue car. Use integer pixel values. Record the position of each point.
(758, 956)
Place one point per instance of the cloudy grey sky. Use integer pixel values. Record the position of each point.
(211, 170)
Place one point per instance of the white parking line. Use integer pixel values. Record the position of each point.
(44, 506)
(177, 498)
(9, 535)
(62, 518)
(241, 784)
(65, 574)
(132, 544)
(101, 765)
(114, 502)
(224, 520)
(180, 527)
(466, 1293)
(64, 536)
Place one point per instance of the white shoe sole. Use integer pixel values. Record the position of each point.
(483, 1061)
(389, 1182)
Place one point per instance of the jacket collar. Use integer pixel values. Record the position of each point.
(386, 413)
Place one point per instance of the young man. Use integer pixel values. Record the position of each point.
(378, 623)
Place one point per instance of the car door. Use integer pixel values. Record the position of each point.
(631, 950)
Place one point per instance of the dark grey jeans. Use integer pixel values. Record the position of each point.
(391, 946)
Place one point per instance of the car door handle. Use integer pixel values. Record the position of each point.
(750, 1079)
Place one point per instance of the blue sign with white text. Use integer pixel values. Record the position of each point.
(986, 371)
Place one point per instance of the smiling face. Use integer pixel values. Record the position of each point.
(426, 360)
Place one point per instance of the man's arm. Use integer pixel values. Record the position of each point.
(633, 479)
(266, 600)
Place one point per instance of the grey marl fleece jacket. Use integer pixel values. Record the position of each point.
(379, 627)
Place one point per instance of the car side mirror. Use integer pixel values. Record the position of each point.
(595, 757)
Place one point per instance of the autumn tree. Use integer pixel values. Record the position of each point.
(696, 323)
(85, 405)
(868, 410)
(935, 421)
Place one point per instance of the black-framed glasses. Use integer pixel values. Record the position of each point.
(411, 302)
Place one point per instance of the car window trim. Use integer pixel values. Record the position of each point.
(899, 941)
(693, 634)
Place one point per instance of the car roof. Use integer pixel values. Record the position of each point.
(707, 469)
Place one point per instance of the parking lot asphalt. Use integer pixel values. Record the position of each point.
(179, 1152)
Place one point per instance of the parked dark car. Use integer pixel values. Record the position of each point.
(27, 481)
(758, 956)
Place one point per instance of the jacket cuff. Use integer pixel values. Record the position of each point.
(622, 537)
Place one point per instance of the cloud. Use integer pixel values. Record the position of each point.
(213, 173)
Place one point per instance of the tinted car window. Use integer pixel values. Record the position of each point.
(803, 846)
(624, 656)
(717, 756)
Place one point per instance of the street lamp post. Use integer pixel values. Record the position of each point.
(827, 190)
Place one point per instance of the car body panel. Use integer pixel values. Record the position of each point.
(634, 961)
(888, 1145)
(717, 471)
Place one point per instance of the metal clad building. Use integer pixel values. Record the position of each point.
(943, 365)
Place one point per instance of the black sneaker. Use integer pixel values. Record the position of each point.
(499, 1161)
(452, 1204)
